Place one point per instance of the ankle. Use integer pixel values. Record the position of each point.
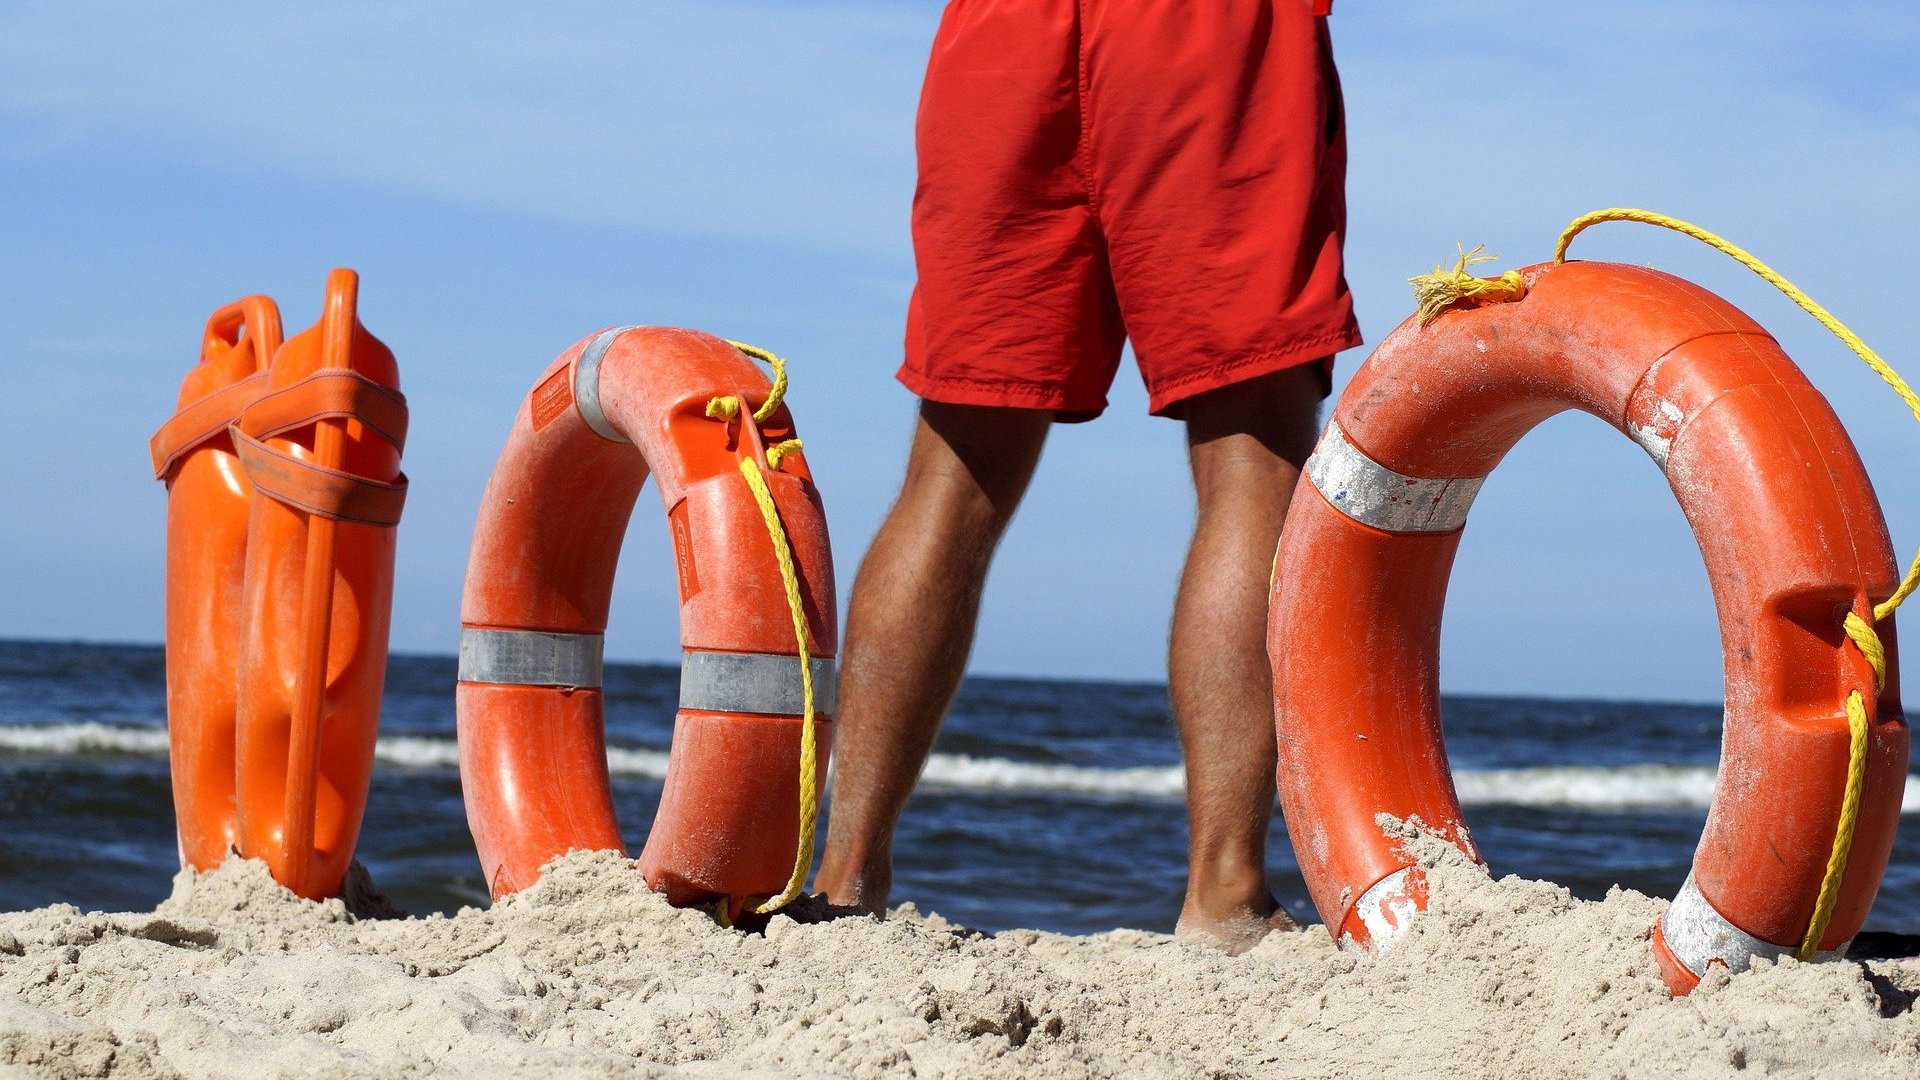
(1223, 890)
(863, 883)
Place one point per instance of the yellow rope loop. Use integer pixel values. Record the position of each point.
(727, 408)
(779, 366)
(1909, 582)
(1440, 290)
(777, 453)
(1859, 630)
(1857, 731)
(809, 753)
(1864, 638)
(1867, 640)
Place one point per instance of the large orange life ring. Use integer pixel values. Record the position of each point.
(615, 407)
(1793, 540)
(278, 613)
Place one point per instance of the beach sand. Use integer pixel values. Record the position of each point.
(589, 974)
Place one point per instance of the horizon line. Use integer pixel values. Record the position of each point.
(989, 676)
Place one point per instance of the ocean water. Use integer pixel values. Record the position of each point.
(1048, 804)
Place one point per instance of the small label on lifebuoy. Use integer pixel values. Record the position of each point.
(551, 398)
(683, 551)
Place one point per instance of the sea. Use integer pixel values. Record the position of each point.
(1051, 804)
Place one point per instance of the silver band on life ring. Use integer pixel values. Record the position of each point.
(531, 658)
(1698, 935)
(764, 683)
(761, 683)
(1372, 494)
(586, 384)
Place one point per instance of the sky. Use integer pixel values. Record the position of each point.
(508, 178)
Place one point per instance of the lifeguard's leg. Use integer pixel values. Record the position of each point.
(1247, 443)
(910, 625)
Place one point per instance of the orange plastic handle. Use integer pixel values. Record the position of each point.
(342, 309)
(337, 321)
(227, 325)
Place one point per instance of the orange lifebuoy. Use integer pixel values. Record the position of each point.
(615, 407)
(278, 619)
(1793, 540)
(207, 502)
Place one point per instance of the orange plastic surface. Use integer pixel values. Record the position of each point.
(1787, 522)
(532, 758)
(207, 496)
(315, 608)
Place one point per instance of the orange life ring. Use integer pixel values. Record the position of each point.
(278, 619)
(1793, 540)
(620, 404)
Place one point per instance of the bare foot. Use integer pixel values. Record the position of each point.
(1233, 931)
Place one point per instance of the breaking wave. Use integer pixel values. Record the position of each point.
(1618, 788)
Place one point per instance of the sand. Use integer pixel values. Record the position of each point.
(589, 974)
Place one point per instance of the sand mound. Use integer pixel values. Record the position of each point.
(589, 974)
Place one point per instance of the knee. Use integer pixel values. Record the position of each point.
(971, 465)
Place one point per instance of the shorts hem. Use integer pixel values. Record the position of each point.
(1000, 393)
(1301, 349)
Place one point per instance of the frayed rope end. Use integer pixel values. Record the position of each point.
(1440, 290)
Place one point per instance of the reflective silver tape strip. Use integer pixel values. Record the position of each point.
(1372, 494)
(586, 384)
(753, 683)
(1697, 935)
(530, 658)
(1386, 911)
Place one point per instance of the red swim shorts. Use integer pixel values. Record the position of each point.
(1094, 171)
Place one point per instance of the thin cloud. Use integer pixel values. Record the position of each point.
(741, 120)
(763, 154)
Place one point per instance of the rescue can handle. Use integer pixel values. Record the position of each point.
(255, 315)
(339, 319)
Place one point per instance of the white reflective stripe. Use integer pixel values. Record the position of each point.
(1697, 935)
(1372, 494)
(763, 683)
(530, 658)
(1386, 911)
(586, 384)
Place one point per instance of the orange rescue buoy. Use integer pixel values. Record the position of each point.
(614, 407)
(322, 449)
(1793, 540)
(278, 612)
(207, 500)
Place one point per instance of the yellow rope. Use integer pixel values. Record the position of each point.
(1440, 290)
(774, 395)
(1862, 634)
(1859, 630)
(727, 408)
(778, 452)
(790, 578)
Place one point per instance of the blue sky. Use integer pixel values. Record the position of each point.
(513, 176)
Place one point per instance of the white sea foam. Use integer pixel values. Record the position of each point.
(84, 738)
(967, 773)
(1570, 787)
